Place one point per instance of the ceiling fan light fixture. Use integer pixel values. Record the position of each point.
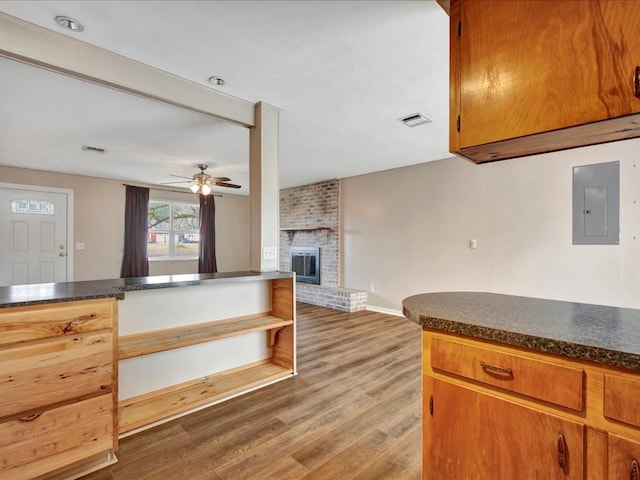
(194, 188)
(69, 23)
(206, 189)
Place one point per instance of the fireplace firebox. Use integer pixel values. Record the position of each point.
(305, 262)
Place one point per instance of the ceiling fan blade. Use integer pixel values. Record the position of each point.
(180, 176)
(221, 179)
(228, 185)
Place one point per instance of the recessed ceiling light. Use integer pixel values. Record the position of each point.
(415, 119)
(69, 23)
(217, 81)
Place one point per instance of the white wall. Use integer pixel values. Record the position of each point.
(407, 230)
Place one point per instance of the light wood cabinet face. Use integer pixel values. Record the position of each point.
(526, 67)
(58, 382)
(37, 374)
(21, 324)
(480, 437)
(55, 437)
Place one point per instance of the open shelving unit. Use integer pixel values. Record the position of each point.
(150, 408)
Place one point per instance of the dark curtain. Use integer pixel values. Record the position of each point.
(207, 258)
(136, 221)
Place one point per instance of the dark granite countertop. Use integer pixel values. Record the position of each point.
(35, 294)
(596, 333)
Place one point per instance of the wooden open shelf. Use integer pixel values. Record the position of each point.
(160, 340)
(160, 405)
(146, 409)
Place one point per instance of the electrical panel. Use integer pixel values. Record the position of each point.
(596, 204)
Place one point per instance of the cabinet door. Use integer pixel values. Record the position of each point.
(624, 458)
(480, 437)
(535, 66)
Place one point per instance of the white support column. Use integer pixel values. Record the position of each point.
(264, 189)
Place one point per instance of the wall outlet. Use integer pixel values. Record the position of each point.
(372, 288)
(79, 246)
(270, 253)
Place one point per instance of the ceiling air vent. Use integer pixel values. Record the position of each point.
(415, 119)
(88, 148)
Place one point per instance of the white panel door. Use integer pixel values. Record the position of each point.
(33, 236)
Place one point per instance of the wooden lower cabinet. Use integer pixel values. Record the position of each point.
(56, 437)
(480, 437)
(624, 459)
(496, 412)
(58, 388)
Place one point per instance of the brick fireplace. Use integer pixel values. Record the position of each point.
(310, 217)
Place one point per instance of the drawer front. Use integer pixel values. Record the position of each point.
(622, 399)
(37, 374)
(33, 446)
(52, 320)
(557, 384)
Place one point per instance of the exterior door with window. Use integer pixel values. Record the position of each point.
(33, 236)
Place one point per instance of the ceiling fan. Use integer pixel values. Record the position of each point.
(201, 182)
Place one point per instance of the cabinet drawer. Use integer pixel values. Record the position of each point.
(32, 446)
(52, 320)
(557, 384)
(36, 374)
(621, 399)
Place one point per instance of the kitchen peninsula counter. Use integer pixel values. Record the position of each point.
(567, 374)
(596, 333)
(41, 293)
(102, 359)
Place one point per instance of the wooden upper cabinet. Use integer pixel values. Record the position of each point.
(538, 76)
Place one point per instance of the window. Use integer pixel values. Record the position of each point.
(41, 207)
(174, 230)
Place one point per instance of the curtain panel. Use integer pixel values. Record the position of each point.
(207, 258)
(136, 212)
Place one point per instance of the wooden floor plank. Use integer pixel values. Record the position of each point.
(352, 413)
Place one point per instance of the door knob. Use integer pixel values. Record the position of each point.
(62, 254)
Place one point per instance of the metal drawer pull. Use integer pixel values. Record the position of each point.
(30, 418)
(634, 474)
(562, 452)
(487, 367)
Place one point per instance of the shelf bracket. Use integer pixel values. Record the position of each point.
(272, 334)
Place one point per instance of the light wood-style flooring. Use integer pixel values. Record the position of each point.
(353, 412)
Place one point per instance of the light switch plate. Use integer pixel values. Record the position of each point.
(270, 253)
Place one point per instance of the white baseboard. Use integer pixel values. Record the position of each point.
(389, 311)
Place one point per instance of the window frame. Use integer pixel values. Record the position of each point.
(172, 232)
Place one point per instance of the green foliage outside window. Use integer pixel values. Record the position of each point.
(173, 230)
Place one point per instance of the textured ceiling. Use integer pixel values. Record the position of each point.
(342, 72)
